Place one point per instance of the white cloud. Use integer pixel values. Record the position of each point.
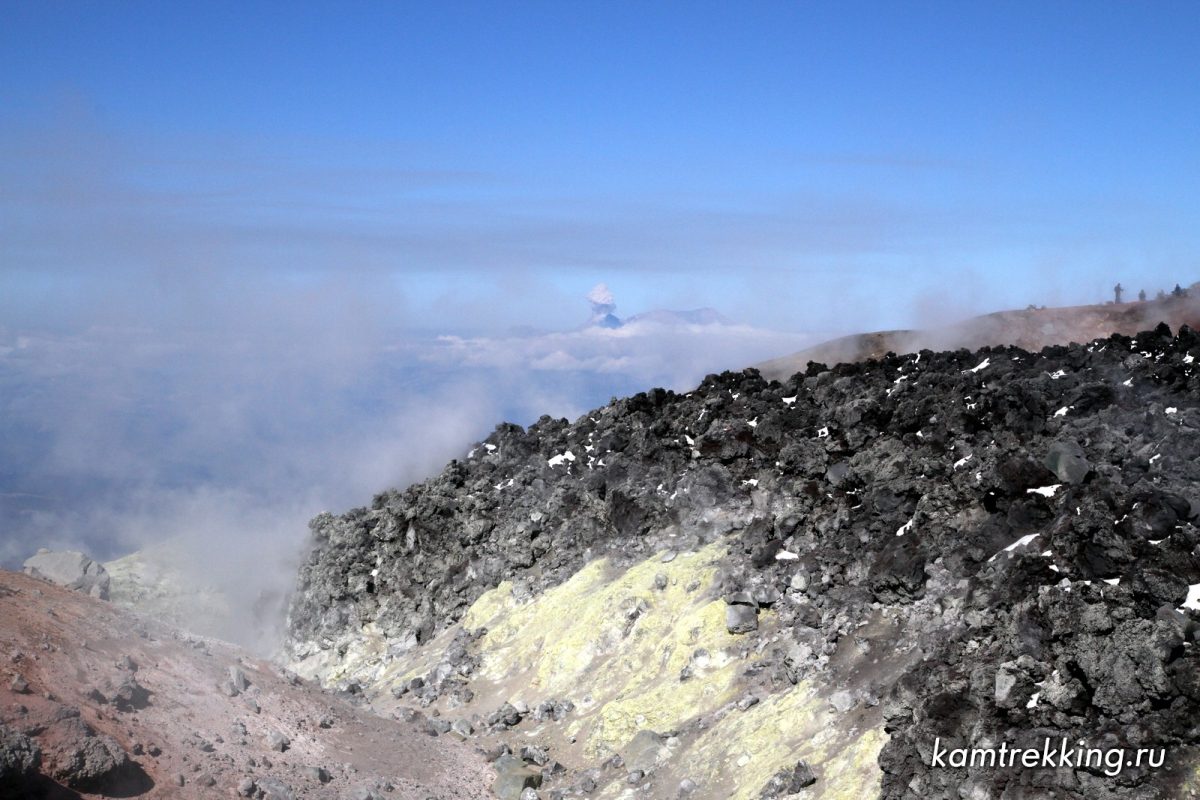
(650, 352)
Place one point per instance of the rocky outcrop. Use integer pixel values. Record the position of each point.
(80, 758)
(97, 702)
(71, 569)
(838, 571)
(19, 757)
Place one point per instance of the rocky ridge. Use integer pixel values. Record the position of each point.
(1031, 329)
(761, 588)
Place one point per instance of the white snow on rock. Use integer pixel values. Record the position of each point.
(1033, 700)
(962, 461)
(1193, 597)
(1128, 382)
(561, 458)
(1187, 358)
(987, 362)
(1057, 374)
(1024, 540)
(788, 401)
(1045, 491)
(905, 528)
(786, 555)
(1062, 412)
(491, 448)
(750, 482)
(823, 433)
(753, 423)
(1112, 581)
(1172, 410)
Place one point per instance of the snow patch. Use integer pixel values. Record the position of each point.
(1024, 540)
(987, 362)
(561, 458)
(1045, 491)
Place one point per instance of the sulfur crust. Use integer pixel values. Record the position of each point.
(780, 731)
(616, 645)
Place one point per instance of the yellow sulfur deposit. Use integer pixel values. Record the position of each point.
(615, 644)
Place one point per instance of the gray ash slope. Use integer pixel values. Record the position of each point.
(901, 483)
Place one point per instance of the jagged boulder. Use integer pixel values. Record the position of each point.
(19, 758)
(513, 777)
(71, 569)
(79, 757)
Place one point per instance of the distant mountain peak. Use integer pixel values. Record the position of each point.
(604, 313)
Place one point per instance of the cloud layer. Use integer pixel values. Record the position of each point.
(220, 435)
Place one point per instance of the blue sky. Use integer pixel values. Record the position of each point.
(809, 166)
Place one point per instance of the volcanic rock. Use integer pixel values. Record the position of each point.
(70, 569)
(978, 546)
(19, 757)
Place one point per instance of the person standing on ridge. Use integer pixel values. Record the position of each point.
(1117, 291)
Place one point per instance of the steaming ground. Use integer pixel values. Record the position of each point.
(206, 450)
